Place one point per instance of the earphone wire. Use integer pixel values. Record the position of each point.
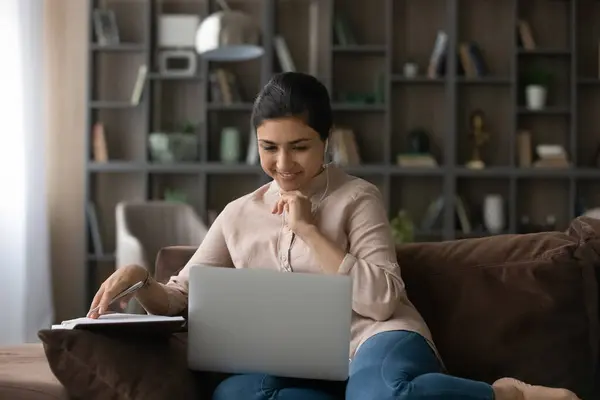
(313, 212)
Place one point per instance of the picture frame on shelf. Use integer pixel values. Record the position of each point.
(105, 27)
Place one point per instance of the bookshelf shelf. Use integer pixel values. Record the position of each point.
(230, 107)
(115, 166)
(491, 172)
(219, 168)
(545, 52)
(589, 81)
(111, 104)
(557, 111)
(159, 77)
(124, 47)
(417, 80)
(359, 107)
(416, 171)
(360, 48)
(485, 80)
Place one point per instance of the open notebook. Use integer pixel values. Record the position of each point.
(126, 322)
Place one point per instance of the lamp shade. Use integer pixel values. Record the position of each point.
(228, 36)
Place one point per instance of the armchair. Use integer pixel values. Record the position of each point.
(143, 228)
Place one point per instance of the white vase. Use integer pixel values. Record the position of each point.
(536, 97)
(411, 70)
(230, 145)
(493, 213)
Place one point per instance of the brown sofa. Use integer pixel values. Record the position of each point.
(518, 305)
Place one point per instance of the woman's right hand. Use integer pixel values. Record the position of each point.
(120, 280)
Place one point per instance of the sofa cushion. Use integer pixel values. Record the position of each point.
(513, 305)
(100, 366)
(25, 374)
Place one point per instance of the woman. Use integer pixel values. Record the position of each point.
(315, 218)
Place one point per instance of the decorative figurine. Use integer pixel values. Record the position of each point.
(479, 137)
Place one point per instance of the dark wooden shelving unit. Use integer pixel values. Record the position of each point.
(441, 104)
(388, 33)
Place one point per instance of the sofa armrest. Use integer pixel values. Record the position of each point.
(170, 260)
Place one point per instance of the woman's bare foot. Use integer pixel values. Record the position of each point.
(513, 389)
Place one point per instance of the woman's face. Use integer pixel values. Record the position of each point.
(291, 152)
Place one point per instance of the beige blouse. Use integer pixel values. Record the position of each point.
(351, 213)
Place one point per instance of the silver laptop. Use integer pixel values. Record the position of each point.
(262, 321)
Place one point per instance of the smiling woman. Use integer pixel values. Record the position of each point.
(25, 283)
(292, 117)
(315, 218)
(290, 151)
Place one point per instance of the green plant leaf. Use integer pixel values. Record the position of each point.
(537, 76)
(403, 229)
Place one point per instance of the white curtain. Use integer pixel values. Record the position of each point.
(25, 285)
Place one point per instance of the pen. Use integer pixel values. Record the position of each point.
(124, 293)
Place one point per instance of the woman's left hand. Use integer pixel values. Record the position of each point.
(298, 208)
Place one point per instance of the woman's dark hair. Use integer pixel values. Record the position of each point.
(294, 94)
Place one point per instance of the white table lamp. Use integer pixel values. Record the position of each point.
(228, 35)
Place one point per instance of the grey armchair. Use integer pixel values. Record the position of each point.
(145, 227)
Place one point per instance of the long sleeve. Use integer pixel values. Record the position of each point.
(371, 257)
(212, 251)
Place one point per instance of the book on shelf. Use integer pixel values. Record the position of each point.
(472, 62)
(409, 160)
(437, 59)
(525, 35)
(524, 148)
(138, 87)
(284, 56)
(100, 148)
(551, 156)
(224, 87)
(434, 213)
(343, 35)
(127, 323)
(343, 147)
(94, 229)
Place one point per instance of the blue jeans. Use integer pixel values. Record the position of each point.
(390, 365)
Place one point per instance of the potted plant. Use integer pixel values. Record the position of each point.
(537, 81)
(403, 228)
(179, 145)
